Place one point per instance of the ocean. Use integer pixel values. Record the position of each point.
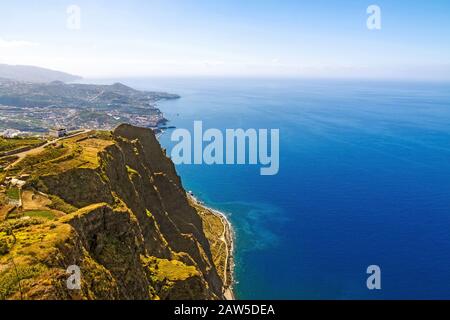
(364, 180)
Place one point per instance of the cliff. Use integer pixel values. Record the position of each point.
(113, 205)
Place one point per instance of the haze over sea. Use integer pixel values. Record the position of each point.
(364, 179)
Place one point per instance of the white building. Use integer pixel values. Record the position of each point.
(58, 133)
(17, 183)
(10, 133)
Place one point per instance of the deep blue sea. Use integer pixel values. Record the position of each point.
(364, 179)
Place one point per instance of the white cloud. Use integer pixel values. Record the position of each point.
(5, 44)
(275, 61)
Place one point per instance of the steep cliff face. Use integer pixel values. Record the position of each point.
(130, 229)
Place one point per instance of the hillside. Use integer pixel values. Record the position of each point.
(112, 204)
(34, 74)
(36, 107)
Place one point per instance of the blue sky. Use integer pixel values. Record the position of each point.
(292, 38)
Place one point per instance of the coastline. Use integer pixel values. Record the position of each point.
(228, 238)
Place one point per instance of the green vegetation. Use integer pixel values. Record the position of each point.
(5, 161)
(163, 270)
(13, 193)
(60, 205)
(76, 152)
(131, 172)
(104, 134)
(90, 150)
(214, 229)
(16, 143)
(14, 214)
(165, 274)
(50, 153)
(3, 200)
(26, 247)
(7, 227)
(118, 231)
(4, 247)
(11, 278)
(8, 231)
(40, 214)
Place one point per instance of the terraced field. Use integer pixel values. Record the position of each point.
(7, 145)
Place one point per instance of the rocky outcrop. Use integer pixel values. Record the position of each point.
(134, 235)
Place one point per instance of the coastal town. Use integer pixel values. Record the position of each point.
(33, 108)
(35, 117)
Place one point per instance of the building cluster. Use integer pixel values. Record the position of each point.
(11, 133)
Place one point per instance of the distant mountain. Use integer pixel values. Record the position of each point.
(59, 94)
(34, 74)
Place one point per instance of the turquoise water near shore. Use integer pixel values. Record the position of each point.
(364, 179)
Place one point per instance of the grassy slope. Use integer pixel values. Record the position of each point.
(77, 152)
(34, 239)
(16, 143)
(13, 193)
(40, 214)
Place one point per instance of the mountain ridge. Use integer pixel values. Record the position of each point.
(35, 74)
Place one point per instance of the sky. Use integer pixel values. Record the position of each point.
(248, 38)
